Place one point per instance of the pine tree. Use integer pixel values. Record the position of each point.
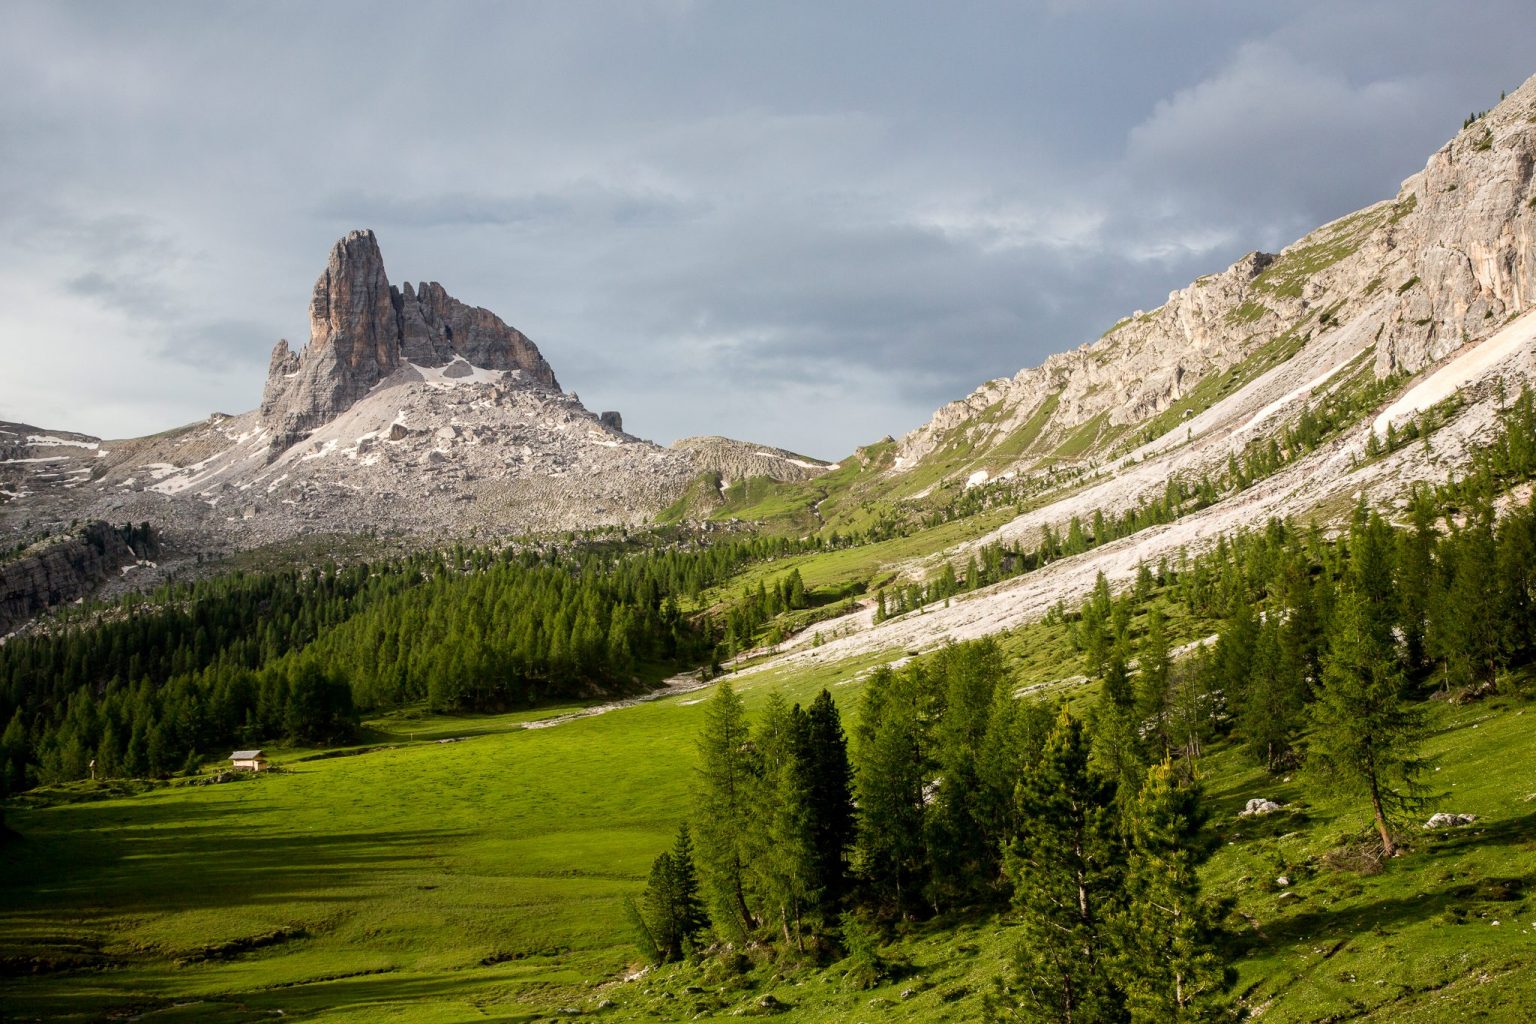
(1065, 864)
(1169, 960)
(1366, 733)
(723, 811)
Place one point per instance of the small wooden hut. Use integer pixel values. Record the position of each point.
(248, 761)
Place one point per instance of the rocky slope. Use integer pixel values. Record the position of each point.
(60, 568)
(408, 412)
(363, 329)
(1420, 309)
(1411, 280)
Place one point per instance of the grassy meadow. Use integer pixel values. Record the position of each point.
(483, 880)
(417, 880)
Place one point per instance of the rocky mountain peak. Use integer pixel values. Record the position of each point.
(363, 329)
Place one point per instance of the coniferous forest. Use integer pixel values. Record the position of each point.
(163, 682)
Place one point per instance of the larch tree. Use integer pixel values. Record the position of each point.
(893, 767)
(1066, 864)
(1366, 732)
(778, 841)
(723, 809)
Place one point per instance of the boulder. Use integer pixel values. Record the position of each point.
(1445, 820)
(1258, 807)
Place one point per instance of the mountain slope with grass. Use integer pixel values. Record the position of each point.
(1378, 295)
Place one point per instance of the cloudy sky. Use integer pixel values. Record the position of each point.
(806, 224)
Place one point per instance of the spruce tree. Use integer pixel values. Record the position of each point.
(1169, 959)
(1066, 867)
(827, 779)
(671, 912)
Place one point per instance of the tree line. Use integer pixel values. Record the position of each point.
(963, 797)
(156, 683)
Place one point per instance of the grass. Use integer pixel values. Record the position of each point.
(1014, 447)
(483, 880)
(1320, 250)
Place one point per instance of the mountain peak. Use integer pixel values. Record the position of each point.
(362, 329)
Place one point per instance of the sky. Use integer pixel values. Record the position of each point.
(803, 224)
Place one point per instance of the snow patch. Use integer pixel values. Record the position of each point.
(1447, 380)
(977, 478)
(321, 452)
(464, 372)
(48, 440)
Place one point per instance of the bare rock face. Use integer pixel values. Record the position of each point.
(734, 460)
(62, 568)
(354, 342)
(362, 330)
(612, 420)
(436, 328)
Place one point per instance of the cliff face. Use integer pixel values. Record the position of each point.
(1447, 262)
(63, 568)
(362, 330)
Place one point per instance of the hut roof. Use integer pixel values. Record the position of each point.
(245, 755)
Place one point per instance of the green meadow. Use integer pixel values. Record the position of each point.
(414, 880)
(483, 880)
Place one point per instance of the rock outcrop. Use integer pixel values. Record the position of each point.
(735, 460)
(363, 330)
(62, 568)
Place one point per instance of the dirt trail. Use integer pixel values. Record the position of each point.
(675, 686)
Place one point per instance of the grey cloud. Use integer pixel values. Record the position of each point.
(579, 204)
(218, 345)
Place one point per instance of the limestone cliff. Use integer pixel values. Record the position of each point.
(64, 567)
(362, 330)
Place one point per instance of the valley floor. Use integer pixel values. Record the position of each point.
(483, 880)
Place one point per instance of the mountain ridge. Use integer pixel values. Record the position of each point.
(1445, 262)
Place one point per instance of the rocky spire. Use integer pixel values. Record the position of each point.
(361, 330)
